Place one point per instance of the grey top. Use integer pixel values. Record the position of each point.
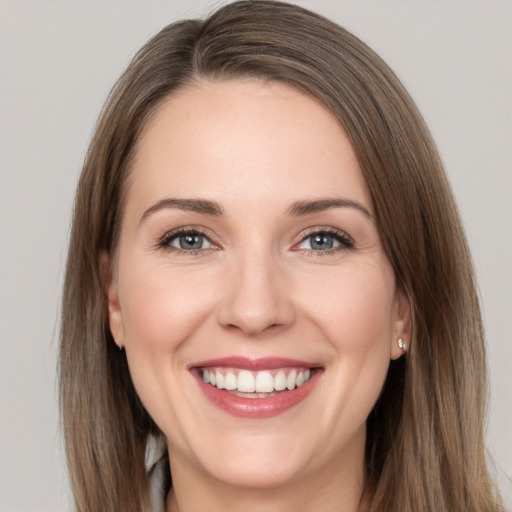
(156, 463)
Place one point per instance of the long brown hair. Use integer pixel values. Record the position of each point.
(425, 448)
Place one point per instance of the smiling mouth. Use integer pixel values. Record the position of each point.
(256, 388)
(255, 384)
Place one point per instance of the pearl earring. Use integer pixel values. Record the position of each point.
(401, 344)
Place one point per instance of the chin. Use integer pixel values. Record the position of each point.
(255, 472)
(248, 457)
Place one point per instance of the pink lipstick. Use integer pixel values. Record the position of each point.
(256, 388)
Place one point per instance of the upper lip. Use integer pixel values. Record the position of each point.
(255, 364)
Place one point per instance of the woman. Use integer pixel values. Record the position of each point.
(264, 228)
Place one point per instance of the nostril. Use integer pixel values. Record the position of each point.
(253, 329)
(255, 303)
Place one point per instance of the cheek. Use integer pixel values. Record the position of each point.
(354, 306)
(355, 313)
(162, 307)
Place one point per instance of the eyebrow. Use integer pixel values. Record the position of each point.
(208, 207)
(314, 206)
(191, 205)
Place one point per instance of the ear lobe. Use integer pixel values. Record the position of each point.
(402, 324)
(115, 318)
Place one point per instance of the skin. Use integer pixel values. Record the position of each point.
(255, 289)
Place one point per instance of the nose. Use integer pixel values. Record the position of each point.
(257, 299)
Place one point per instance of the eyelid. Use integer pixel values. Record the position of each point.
(345, 240)
(176, 238)
(163, 242)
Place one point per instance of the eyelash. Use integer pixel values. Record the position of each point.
(165, 241)
(345, 241)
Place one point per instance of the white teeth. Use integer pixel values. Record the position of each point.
(245, 381)
(247, 395)
(264, 382)
(290, 380)
(255, 384)
(230, 381)
(280, 381)
(220, 380)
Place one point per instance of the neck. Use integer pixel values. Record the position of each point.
(336, 487)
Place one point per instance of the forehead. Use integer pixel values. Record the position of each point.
(245, 138)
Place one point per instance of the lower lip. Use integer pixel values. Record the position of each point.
(258, 408)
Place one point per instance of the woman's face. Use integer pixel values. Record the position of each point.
(249, 256)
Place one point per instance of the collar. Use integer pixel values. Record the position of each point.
(156, 466)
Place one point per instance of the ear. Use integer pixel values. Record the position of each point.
(402, 323)
(115, 318)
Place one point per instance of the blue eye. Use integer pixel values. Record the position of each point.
(190, 241)
(186, 241)
(324, 241)
(321, 241)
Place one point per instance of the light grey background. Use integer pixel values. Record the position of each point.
(58, 60)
